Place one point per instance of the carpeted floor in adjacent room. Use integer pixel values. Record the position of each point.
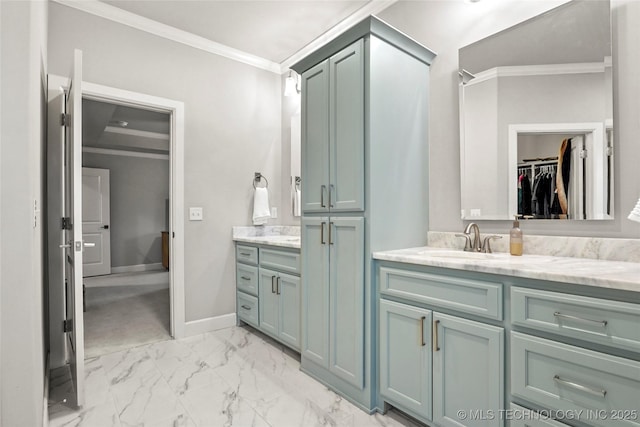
(125, 310)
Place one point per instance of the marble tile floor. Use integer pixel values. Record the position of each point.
(231, 377)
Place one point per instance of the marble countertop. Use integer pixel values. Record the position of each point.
(283, 241)
(619, 275)
(272, 235)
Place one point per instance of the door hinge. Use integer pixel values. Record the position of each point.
(583, 154)
(65, 119)
(66, 223)
(67, 325)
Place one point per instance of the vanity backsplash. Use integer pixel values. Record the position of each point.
(562, 246)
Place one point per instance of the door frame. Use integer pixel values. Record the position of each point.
(176, 175)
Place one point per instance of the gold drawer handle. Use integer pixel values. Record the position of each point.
(245, 278)
(602, 323)
(246, 307)
(436, 347)
(244, 254)
(572, 384)
(422, 343)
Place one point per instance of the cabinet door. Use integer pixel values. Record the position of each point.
(405, 357)
(315, 139)
(346, 306)
(468, 372)
(289, 300)
(346, 124)
(315, 290)
(268, 301)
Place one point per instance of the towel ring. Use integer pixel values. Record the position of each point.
(258, 176)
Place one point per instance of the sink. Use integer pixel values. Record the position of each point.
(460, 254)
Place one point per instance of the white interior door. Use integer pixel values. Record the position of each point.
(96, 218)
(73, 246)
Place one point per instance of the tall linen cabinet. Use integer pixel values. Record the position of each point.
(365, 99)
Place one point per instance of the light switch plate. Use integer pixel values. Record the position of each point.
(195, 214)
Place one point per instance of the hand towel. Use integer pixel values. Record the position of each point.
(297, 211)
(261, 211)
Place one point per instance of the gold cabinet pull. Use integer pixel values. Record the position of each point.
(422, 343)
(330, 239)
(323, 189)
(278, 285)
(435, 335)
(322, 224)
(331, 191)
(273, 284)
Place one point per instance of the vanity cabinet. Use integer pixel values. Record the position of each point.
(433, 364)
(333, 131)
(268, 291)
(560, 372)
(364, 111)
(279, 301)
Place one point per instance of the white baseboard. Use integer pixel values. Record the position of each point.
(136, 268)
(209, 324)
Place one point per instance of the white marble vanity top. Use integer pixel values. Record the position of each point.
(601, 273)
(282, 236)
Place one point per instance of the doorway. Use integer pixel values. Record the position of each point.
(175, 111)
(125, 181)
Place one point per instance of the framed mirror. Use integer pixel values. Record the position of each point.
(536, 118)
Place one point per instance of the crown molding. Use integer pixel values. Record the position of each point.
(538, 70)
(168, 32)
(373, 7)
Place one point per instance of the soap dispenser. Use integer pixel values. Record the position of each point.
(515, 238)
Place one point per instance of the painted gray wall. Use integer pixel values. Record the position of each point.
(232, 129)
(447, 26)
(139, 189)
(23, 65)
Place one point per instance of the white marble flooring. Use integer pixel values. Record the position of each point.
(231, 377)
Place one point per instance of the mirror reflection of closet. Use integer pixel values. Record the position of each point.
(296, 140)
(539, 194)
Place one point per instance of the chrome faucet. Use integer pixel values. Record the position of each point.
(475, 245)
(476, 237)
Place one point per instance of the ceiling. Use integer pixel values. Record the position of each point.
(273, 30)
(117, 127)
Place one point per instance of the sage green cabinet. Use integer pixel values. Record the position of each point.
(268, 294)
(333, 129)
(405, 357)
(364, 92)
(279, 306)
(468, 371)
(432, 365)
(333, 295)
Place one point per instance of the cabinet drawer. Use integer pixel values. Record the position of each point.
(280, 260)
(247, 278)
(523, 417)
(567, 378)
(602, 321)
(248, 309)
(247, 254)
(477, 297)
